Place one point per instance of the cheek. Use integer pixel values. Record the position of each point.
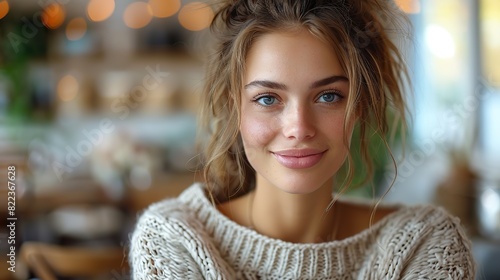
(256, 133)
(337, 131)
(336, 134)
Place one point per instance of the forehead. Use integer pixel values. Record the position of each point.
(291, 57)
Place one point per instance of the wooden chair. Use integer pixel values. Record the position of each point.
(48, 262)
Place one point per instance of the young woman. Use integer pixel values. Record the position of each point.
(288, 82)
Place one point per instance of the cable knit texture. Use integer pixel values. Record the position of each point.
(188, 238)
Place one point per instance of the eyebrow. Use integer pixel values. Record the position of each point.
(280, 86)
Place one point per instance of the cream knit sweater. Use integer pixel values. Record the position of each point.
(188, 238)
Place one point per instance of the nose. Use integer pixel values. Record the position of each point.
(298, 123)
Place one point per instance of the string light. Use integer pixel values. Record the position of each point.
(100, 10)
(4, 8)
(164, 8)
(196, 16)
(53, 16)
(137, 15)
(76, 29)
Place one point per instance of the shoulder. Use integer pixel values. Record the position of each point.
(427, 220)
(169, 217)
(433, 243)
(155, 249)
(158, 213)
(170, 242)
(175, 208)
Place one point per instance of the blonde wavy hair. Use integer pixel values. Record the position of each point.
(358, 32)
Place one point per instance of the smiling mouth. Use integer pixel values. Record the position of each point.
(299, 159)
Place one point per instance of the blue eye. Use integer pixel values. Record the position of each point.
(266, 100)
(329, 97)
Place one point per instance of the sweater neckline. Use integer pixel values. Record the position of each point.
(256, 255)
(197, 190)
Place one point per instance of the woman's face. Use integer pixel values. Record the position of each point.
(293, 103)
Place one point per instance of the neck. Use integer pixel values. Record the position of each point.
(298, 218)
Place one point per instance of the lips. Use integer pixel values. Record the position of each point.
(299, 158)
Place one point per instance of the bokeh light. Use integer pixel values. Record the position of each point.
(137, 15)
(67, 88)
(99, 10)
(196, 16)
(439, 41)
(53, 16)
(4, 8)
(76, 29)
(490, 45)
(164, 8)
(409, 6)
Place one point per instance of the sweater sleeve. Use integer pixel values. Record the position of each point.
(444, 253)
(157, 252)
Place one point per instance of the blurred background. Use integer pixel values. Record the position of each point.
(98, 104)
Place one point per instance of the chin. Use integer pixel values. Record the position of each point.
(302, 185)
